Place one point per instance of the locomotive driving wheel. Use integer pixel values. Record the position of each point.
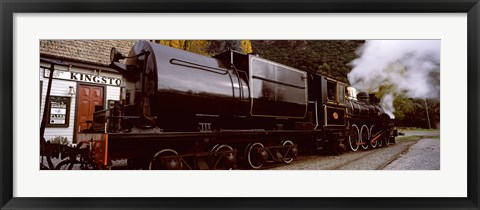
(380, 140)
(224, 158)
(354, 138)
(164, 159)
(364, 136)
(289, 153)
(371, 133)
(256, 155)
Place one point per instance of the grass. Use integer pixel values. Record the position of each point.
(415, 129)
(414, 138)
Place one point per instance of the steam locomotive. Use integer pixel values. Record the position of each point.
(181, 110)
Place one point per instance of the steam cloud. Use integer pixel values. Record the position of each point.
(398, 67)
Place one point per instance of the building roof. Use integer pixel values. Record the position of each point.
(88, 51)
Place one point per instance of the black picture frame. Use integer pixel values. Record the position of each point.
(10, 7)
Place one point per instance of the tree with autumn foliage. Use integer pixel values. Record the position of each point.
(208, 47)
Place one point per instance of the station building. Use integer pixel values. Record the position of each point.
(81, 80)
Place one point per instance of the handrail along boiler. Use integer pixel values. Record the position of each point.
(181, 110)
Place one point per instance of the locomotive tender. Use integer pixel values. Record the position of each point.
(181, 110)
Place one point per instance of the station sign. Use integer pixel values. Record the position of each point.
(83, 77)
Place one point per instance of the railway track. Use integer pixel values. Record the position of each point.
(381, 167)
(299, 159)
(372, 159)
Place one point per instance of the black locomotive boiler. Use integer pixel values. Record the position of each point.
(181, 110)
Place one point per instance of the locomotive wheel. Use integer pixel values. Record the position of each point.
(158, 164)
(370, 135)
(354, 138)
(226, 161)
(289, 153)
(364, 136)
(387, 140)
(380, 140)
(255, 159)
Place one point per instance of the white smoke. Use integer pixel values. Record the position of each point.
(399, 67)
(387, 104)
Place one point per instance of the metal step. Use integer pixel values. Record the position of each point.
(320, 143)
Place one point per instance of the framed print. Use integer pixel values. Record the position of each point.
(280, 97)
